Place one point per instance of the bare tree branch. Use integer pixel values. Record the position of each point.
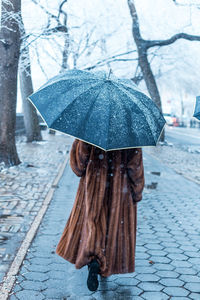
(39, 63)
(173, 39)
(111, 59)
(190, 4)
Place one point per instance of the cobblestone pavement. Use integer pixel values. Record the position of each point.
(167, 255)
(23, 189)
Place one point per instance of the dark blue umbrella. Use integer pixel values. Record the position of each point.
(197, 108)
(109, 113)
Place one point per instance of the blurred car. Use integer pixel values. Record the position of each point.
(171, 120)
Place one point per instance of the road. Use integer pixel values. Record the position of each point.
(183, 137)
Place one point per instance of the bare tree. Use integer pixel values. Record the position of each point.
(9, 57)
(144, 45)
(142, 48)
(30, 114)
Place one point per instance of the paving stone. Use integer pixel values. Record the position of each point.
(144, 270)
(108, 286)
(167, 274)
(154, 296)
(30, 295)
(181, 264)
(157, 253)
(170, 244)
(176, 291)
(55, 293)
(147, 277)
(57, 267)
(143, 255)
(177, 256)
(189, 248)
(187, 271)
(193, 287)
(190, 278)
(140, 249)
(13, 297)
(20, 278)
(38, 268)
(194, 296)
(141, 262)
(173, 250)
(56, 274)
(17, 288)
(127, 281)
(194, 261)
(154, 246)
(171, 282)
(33, 285)
(125, 291)
(55, 283)
(36, 276)
(151, 286)
(192, 254)
(164, 267)
(160, 259)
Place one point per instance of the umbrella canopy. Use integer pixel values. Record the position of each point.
(109, 113)
(197, 108)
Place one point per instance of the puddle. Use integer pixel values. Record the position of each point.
(156, 173)
(3, 239)
(151, 186)
(10, 216)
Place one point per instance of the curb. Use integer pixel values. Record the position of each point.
(9, 279)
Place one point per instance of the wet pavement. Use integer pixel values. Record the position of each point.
(167, 254)
(23, 189)
(186, 163)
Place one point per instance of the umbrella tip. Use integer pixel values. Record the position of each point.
(109, 73)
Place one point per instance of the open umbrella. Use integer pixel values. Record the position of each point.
(107, 112)
(197, 108)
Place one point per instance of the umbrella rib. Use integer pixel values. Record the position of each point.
(75, 100)
(123, 90)
(92, 104)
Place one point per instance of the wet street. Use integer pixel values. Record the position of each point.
(168, 246)
(186, 138)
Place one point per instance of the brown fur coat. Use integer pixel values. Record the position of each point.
(103, 220)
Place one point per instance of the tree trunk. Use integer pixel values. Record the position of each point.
(149, 80)
(9, 58)
(144, 64)
(30, 115)
(65, 53)
(149, 77)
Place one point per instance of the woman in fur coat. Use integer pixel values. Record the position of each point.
(101, 229)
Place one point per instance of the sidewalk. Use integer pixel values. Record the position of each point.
(168, 246)
(23, 189)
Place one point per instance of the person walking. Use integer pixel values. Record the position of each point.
(101, 229)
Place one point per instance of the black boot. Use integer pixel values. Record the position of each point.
(92, 281)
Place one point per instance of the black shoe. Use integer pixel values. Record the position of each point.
(92, 281)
